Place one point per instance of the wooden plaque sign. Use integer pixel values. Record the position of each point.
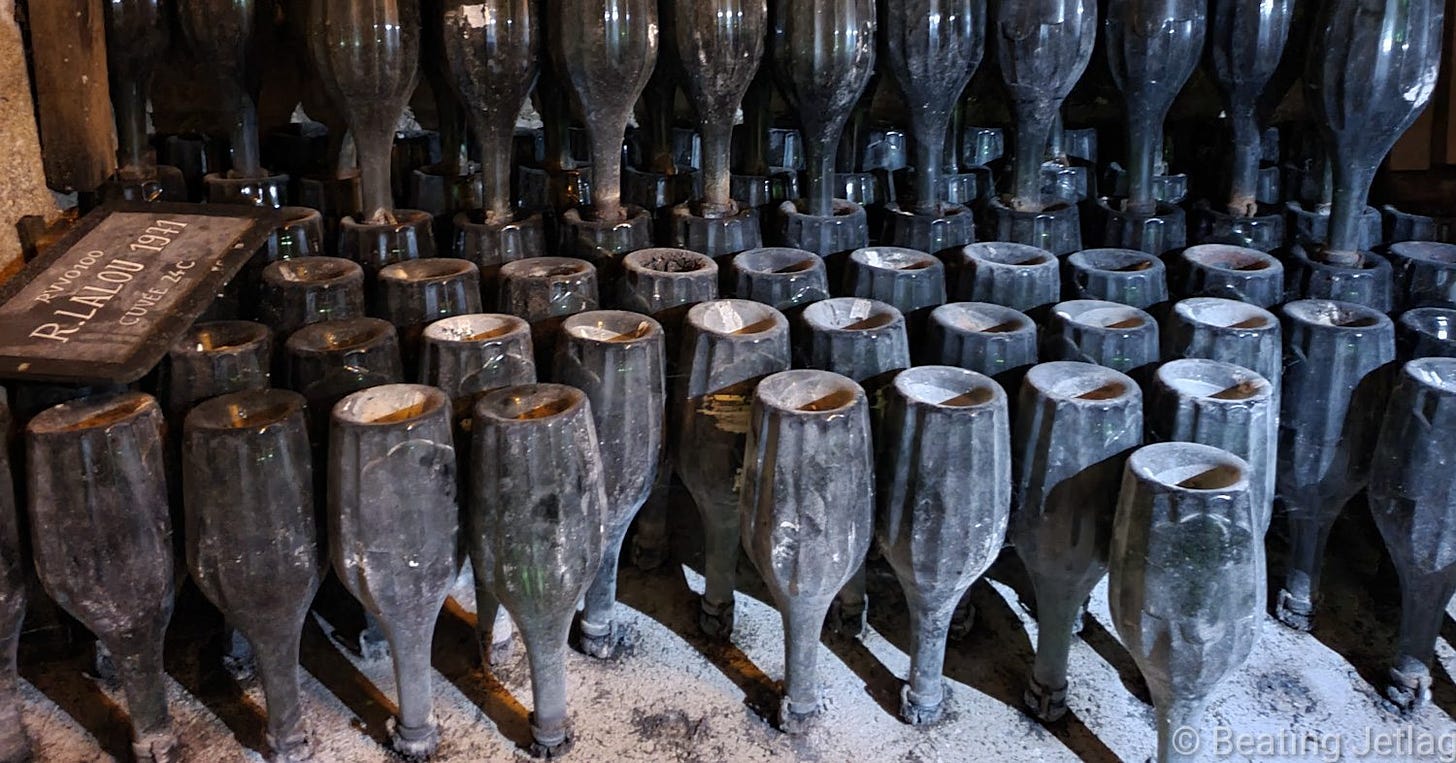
(105, 302)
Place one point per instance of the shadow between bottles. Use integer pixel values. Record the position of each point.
(664, 596)
(887, 615)
(1111, 650)
(322, 657)
(994, 658)
(63, 675)
(1358, 611)
(1009, 571)
(455, 655)
(194, 657)
(1359, 599)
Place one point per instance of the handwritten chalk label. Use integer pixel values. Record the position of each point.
(730, 408)
(729, 411)
(105, 305)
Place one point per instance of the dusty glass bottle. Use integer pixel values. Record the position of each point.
(1108, 334)
(101, 533)
(665, 284)
(1230, 272)
(1411, 500)
(544, 291)
(782, 278)
(719, 45)
(308, 290)
(538, 542)
(138, 30)
(990, 339)
(1426, 332)
(911, 281)
(1152, 47)
(865, 340)
(823, 54)
(366, 54)
(1042, 48)
(1017, 276)
(932, 48)
(1226, 406)
(253, 540)
(466, 356)
(394, 529)
(1337, 358)
(493, 50)
(1187, 579)
(1371, 70)
(1126, 276)
(807, 512)
(1075, 425)
(1228, 331)
(1424, 273)
(605, 51)
(729, 346)
(220, 32)
(944, 496)
(616, 358)
(1245, 44)
(411, 295)
(330, 359)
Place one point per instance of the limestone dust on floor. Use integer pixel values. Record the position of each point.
(679, 697)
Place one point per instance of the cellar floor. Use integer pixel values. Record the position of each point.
(680, 698)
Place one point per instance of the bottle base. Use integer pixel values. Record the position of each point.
(1408, 686)
(1047, 704)
(414, 743)
(916, 713)
(716, 622)
(1297, 614)
(615, 642)
(796, 720)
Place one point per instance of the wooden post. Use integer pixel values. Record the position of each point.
(78, 132)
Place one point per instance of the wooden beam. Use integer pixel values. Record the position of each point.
(77, 130)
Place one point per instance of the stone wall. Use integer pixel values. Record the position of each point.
(23, 189)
